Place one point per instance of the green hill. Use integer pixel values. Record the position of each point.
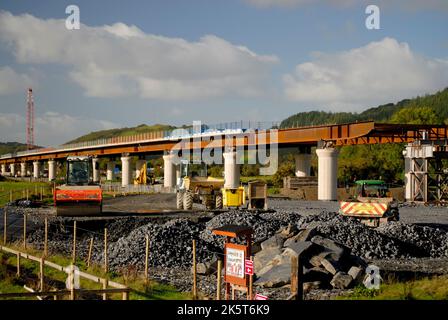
(438, 102)
(11, 147)
(104, 134)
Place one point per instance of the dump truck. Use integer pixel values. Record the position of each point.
(196, 187)
(79, 196)
(371, 203)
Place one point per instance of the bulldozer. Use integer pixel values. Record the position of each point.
(372, 203)
(79, 196)
(196, 187)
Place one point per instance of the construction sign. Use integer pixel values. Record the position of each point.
(235, 263)
(249, 267)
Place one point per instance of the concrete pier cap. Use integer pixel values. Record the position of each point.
(327, 173)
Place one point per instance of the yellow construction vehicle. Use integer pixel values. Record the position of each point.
(372, 204)
(197, 187)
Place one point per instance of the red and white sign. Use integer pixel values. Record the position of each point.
(260, 297)
(249, 267)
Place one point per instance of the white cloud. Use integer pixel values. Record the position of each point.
(51, 128)
(121, 60)
(13, 82)
(396, 4)
(379, 72)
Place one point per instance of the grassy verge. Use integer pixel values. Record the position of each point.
(18, 189)
(140, 290)
(435, 288)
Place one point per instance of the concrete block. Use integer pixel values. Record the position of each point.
(341, 280)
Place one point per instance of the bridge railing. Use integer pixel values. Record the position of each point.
(178, 133)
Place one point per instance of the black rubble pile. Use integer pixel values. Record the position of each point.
(170, 245)
(362, 240)
(432, 241)
(263, 226)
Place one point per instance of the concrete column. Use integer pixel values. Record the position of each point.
(327, 173)
(125, 171)
(3, 169)
(51, 170)
(169, 173)
(303, 164)
(23, 169)
(178, 175)
(36, 169)
(407, 178)
(139, 166)
(110, 171)
(231, 170)
(12, 168)
(96, 172)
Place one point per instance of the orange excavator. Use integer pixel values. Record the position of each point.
(80, 196)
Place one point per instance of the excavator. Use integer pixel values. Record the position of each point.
(79, 196)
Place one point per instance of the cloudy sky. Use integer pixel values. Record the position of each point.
(176, 61)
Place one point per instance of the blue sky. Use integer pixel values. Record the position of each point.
(173, 62)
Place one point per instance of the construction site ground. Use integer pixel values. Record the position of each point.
(131, 213)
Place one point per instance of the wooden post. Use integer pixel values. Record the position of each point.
(72, 282)
(125, 295)
(74, 242)
(195, 290)
(18, 264)
(24, 230)
(147, 259)
(41, 193)
(90, 252)
(294, 269)
(106, 264)
(5, 228)
(27, 194)
(41, 274)
(10, 195)
(218, 285)
(299, 278)
(105, 283)
(46, 238)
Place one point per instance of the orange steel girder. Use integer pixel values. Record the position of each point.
(357, 133)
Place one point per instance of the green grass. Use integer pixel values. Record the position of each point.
(267, 179)
(140, 290)
(435, 288)
(17, 189)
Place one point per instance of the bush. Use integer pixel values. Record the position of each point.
(286, 169)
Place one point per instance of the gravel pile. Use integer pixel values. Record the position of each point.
(264, 225)
(170, 245)
(368, 242)
(433, 241)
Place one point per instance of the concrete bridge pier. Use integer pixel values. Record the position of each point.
(36, 169)
(3, 169)
(231, 170)
(51, 170)
(96, 170)
(303, 162)
(169, 171)
(327, 174)
(110, 171)
(125, 171)
(23, 169)
(12, 168)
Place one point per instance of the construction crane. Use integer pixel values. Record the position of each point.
(30, 120)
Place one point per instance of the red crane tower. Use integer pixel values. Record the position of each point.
(30, 120)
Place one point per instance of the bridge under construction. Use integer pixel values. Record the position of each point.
(425, 146)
